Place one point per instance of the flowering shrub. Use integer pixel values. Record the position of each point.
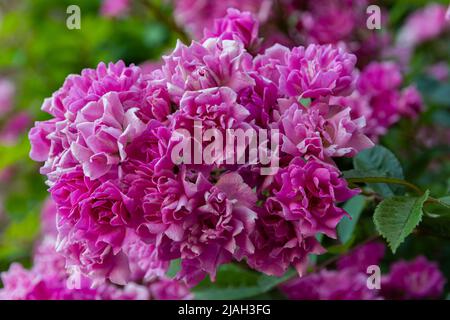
(150, 198)
(106, 135)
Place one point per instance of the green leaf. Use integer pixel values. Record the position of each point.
(354, 173)
(395, 218)
(174, 267)
(354, 208)
(440, 95)
(235, 282)
(383, 163)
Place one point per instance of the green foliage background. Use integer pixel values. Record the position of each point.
(38, 52)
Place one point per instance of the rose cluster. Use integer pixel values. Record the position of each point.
(123, 201)
(49, 279)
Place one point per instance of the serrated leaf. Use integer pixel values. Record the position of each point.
(395, 218)
(354, 208)
(382, 162)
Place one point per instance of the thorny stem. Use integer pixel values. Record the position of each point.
(396, 181)
(386, 180)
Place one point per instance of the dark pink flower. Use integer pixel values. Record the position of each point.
(213, 108)
(167, 289)
(95, 115)
(49, 279)
(307, 192)
(279, 244)
(114, 8)
(378, 77)
(330, 285)
(410, 103)
(214, 63)
(218, 230)
(7, 91)
(323, 131)
(236, 25)
(95, 221)
(332, 21)
(362, 257)
(14, 127)
(417, 279)
(423, 25)
(197, 15)
(317, 71)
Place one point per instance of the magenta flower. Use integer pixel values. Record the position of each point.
(267, 64)
(411, 103)
(144, 263)
(94, 222)
(260, 101)
(48, 279)
(92, 84)
(279, 244)
(214, 63)
(440, 71)
(125, 209)
(167, 289)
(7, 92)
(48, 217)
(317, 71)
(213, 108)
(322, 131)
(216, 231)
(378, 77)
(423, 25)
(331, 21)
(362, 257)
(301, 204)
(417, 279)
(95, 116)
(236, 25)
(330, 285)
(102, 131)
(379, 100)
(15, 126)
(307, 192)
(197, 15)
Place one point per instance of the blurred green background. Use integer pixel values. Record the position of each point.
(38, 51)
